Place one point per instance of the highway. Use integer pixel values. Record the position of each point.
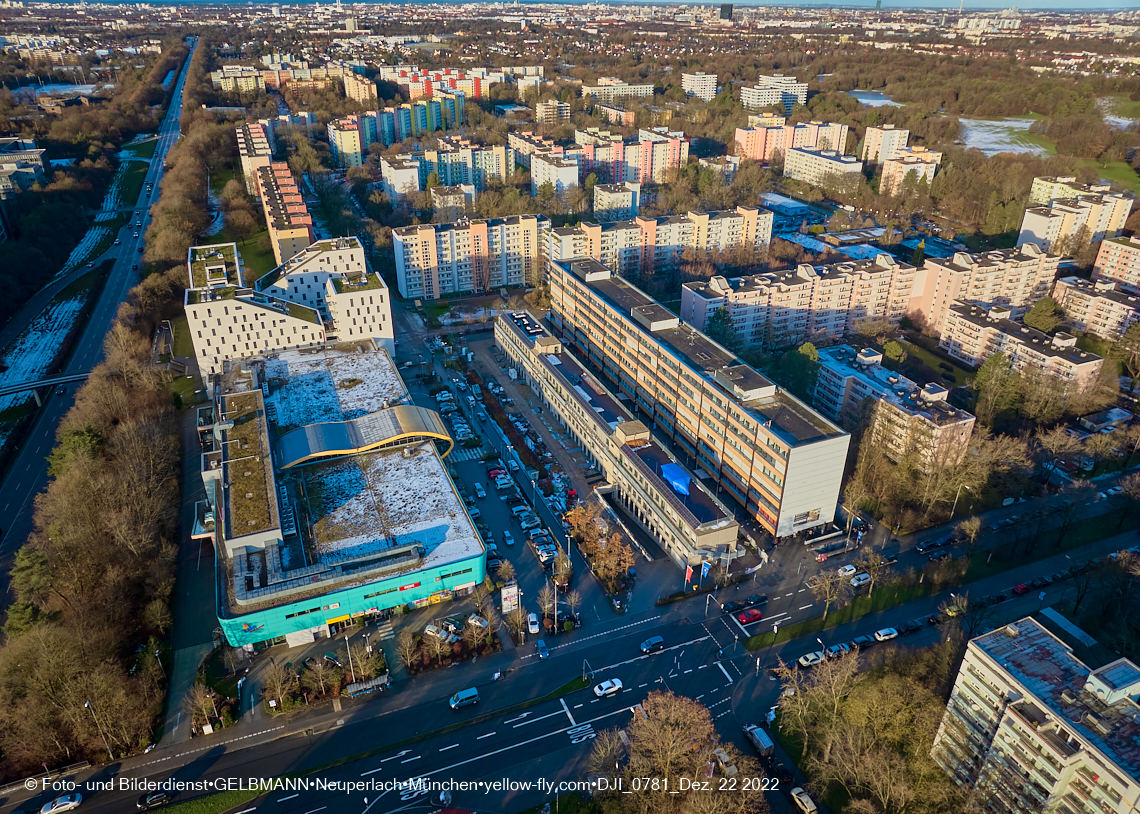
(27, 476)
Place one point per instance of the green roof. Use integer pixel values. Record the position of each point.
(357, 282)
(203, 256)
(301, 312)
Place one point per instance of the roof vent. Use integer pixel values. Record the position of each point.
(1067, 697)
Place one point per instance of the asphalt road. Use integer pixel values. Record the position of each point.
(27, 476)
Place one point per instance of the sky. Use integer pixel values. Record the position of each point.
(968, 5)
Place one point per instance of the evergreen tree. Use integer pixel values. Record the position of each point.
(719, 328)
(1045, 315)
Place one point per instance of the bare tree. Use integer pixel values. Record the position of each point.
(831, 589)
(362, 662)
(967, 531)
(874, 565)
(506, 571)
(436, 646)
(1053, 445)
(546, 599)
(1131, 486)
(481, 595)
(199, 703)
(320, 677)
(406, 648)
(472, 635)
(516, 620)
(277, 682)
(494, 622)
(573, 602)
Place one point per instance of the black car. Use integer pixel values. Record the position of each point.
(912, 626)
(999, 598)
(732, 607)
(155, 799)
(756, 600)
(1041, 582)
(863, 642)
(936, 618)
(776, 769)
(926, 545)
(939, 555)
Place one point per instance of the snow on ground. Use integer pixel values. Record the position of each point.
(33, 91)
(873, 98)
(30, 354)
(111, 201)
(993, 136)
(862, 251)
(809, 243)
(415, 491)
(1105, 106)
(83, 249)
(313, 388)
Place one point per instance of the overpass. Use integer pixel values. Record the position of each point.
(51, 381)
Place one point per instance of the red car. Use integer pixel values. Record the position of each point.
(749, 616)
(1020, 589)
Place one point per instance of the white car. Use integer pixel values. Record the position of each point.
(65, 803)
(508, 538)
(1116, 490)
(803, 802)
(611, 686)
(532, 623)
(859, 580)
(886, 634)
(811, 659)
(529, 522)
(480, 491)
(847, 571)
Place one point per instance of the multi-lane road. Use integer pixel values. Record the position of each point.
(27, 476)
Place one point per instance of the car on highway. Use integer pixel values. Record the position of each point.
(59, 391)
(67, 802)
(859, 580)
(847, 571)
(541, 649)
(155, 799)
(803, 801)
(810, 659)
(886, 634)
(136, 234)
(532, 624)
(611, 686)
(749, 617)
(653, 645)
(117, 241)
(135, 267)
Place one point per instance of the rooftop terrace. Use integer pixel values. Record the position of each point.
(247, 460)
(214, 266)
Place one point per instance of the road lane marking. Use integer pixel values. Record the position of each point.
(532, 720)
(444, 749)
(689, 671)
(639, 686)
(567, 711)
(315, 810)
(489, 734)
(580, 705)
(290, 797)
(805, 607)
(417, 757)
(402, 753)
(726, 675)
(246, 811)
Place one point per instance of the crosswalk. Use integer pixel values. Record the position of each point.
(461, 453)
(385, 630)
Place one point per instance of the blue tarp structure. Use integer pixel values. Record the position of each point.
(676, 477)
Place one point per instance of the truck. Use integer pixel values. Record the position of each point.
(759, 739)
(477, 392)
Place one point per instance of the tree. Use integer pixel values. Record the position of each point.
(573, 602)
(506, 571)
(919, 255)
(435, 646)
(1045, 315)
(1127, 350)
(1131, 486)
(432, 181)
(1054, 444)
(894, 350)
(967, 531)
(363, 662)
(996, 386)
(320, 677)
(797, 370)
(831, 589)
(406, 648)
(719, 328)
(472, 634)
(278, 682)
(199, 703)
(546, 599)
(516, 620)
(874, 565)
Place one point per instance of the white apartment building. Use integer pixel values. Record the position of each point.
(916, 162)
(1033, 728)
(1119, 260)
(815, 166)
(777, 89)
(907, 420)
(883, 143)
(781, 308)
(1014, 278)
(558, 171)
(470, 256)
(455, 161)
(552, 112)
(702, 85)
(617, 90)
(332, 277)
(526, 143)
(1049, 188)
(615, 202)
(1067, 226)
(228, 321)
(975, 332)
(399, 176)
(1097, 307)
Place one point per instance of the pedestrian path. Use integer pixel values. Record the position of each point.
(385, 630)
(463, 454)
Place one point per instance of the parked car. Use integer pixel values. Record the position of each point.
(611, 686)
(541, 649)
(732, 607)
(755, 600)
(65, 803)
(529, 522)
(938, 556)
(1021, 588)
(913, 626)
(886, 634)
(847, 571)
(475, 620)
(532, 624)
(810, 659)
(330, 658)
(479, 490)
(863, 642)
(926, 545)
(777, 769)
(837, 650)
(859, 580)
(800, 797)
(508, 538)
(1041, 582)
(1115, 490)
(749, 617)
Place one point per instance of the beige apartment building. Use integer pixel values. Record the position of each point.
(779, 458)
(359, 88)
(470, 256)
(255, 151)
(883, 143)
(616, 115)
(1119, 261)
(1015, 278)
(527, 143)
(763, 143)
(617, 90)
(614, 202)
(1049, 188)
(1032, 728)
(974, 332)
(691, 528)
(906, 420)
(1097, 307)
(1069, 225)
(702, 85)
(817, 166)
(286, 215)
(551, 113)
(780, 308)
(227, 320)
(918, 162)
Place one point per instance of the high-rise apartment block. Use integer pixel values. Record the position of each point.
(1070, 225)
(616, 115)
(1030, 727)
(455, 161)
(1097, 307)
(701, 85)
(525, 144)
(346, 143)
(776, 309)
(616, 90)
(255, 151)
(776, 90)
(917, 163)
(286, 215)
(470, 256)
(359, 88)
(816, 167)
(766, 120)
(1119, 261)
(615, 160)
(762, 143)
(883, 143)
(775, 455)
(907, 421)
(551, 113)
(558, 171)
(1049, 188)
(973, 333)
(615, 202)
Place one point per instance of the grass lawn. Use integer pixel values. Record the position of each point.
(115, 224)
(186, 389)
(144, 150)
(978, 242)
(1122, 106)
(213, 803)
(133, 181)
(219, 178)
(257, 262)
(1117, 172)
(183, 343)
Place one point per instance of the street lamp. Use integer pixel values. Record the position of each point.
(100, 727)
(956, 496)
(709, 598)
(348, 648)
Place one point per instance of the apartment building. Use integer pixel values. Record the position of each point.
(1069, 225)
(615, 202)
(227, 320)
(332, 278)
(702, 85)
(527, 143)
(237, 79)
(762, 143)
(916, 162)
(777, 309)
(286, 215)
(617, 90)
(766, 120)
(22, 166)
(645, 246)
(558, 171)
(772, 91)
(974, 332)
(817, 166)
(359, 88)
(616, 115)
(455, 201)
(551, 113)
(346, 142)
(883, 143)
(470, 256)
(1097, 307)
(455, 161)
(775, 455)
(415, 84)
(615, 160)
(1119, 260)
(399, 176)
(1014, 278)
(1049, 188)
(691, 526)
(907, 421)
(254, 151)
(1031, 727)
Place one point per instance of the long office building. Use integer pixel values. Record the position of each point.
(455, 161)
(779, 458)
(286, 215)
(1097, 307)
(616, 90)
(1118, 261)
(255, 150)
(433, 260)
(762, 143)
(774, 91)
(1030, 727)
(1067, 226)
(689, 523)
